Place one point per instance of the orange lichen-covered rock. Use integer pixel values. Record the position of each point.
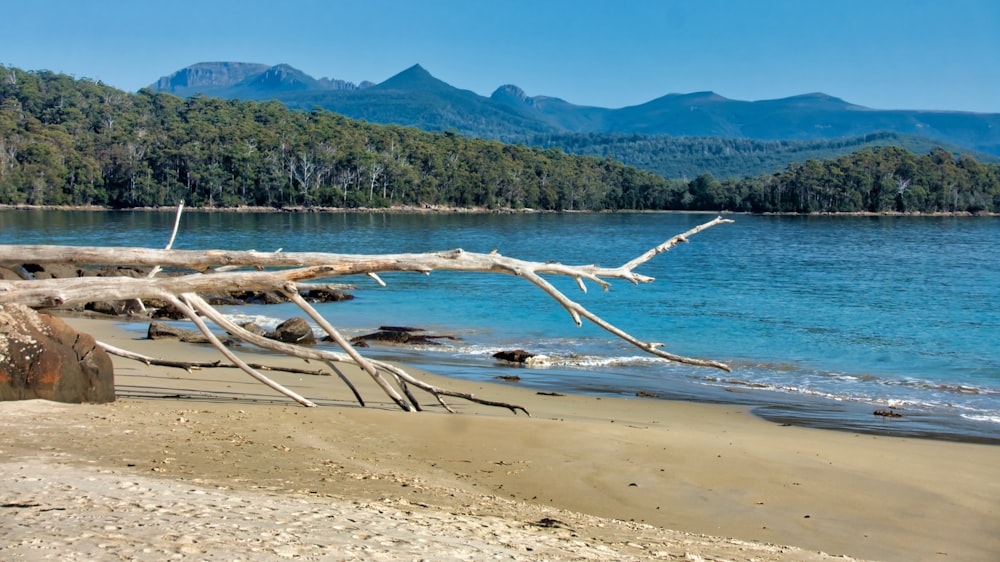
(43, 357)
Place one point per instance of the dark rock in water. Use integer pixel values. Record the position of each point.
(400, 335)
(386, 336)
(217, 300)
(160, 331)
(258, 297)
(43, 357)
(294, 330)
(326, 295)
(890, 413)
(513, 355)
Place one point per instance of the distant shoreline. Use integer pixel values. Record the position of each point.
(442, 210)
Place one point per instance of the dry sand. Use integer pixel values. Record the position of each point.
(212, 465)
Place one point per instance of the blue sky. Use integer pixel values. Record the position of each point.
(886, 54)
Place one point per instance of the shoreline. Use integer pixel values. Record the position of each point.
(614, 477)
(436, 209)
(802, 410)
(814, 412)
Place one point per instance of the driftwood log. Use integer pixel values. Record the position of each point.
(224, 272)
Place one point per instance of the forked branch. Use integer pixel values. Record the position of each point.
(183, 292)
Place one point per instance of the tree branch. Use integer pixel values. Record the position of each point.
(183, 291)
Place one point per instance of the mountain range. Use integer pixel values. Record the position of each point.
(415, 98)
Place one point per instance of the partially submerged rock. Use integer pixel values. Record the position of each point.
(518, 356)
(43, 357)
(400, 335)
(162, 331)
(294, 330)
(326, 295)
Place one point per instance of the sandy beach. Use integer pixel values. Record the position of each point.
(212, 465)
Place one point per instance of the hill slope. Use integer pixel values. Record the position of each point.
(80, 142)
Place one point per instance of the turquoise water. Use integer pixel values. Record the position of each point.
(824, 319)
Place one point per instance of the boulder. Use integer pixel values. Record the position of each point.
(43, 357)
(513, 355)
(254, 329)
(108, 308)
(161, 331)
(165, 311)
(257, 297)
(294, 330)
(326, 295)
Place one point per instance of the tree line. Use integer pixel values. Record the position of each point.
(725, 157)
(67, 141)
(876, 180)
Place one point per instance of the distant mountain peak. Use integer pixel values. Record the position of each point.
(414, 78)
(208, 74)
(510, 92)
(705, 96)
(245, 79)
(416, 98)
(282, 77)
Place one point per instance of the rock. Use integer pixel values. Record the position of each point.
(400, 329)
(52, 270)
(258, 297)
(513, 355)
(326, 295)
(254, 328)
(43, 357)
(294, 330)
(402, 335)
(223, 300)
(387, 336)
(109, 308)
(115, 271)
(160, 331)
(166, 311)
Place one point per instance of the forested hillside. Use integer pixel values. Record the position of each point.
(877, 180)
(76, 142)
(688, 157)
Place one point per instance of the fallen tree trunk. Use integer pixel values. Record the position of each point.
(182, 291)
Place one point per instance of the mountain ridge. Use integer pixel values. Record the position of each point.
(414, 97)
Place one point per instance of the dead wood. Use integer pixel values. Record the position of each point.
(213, 270)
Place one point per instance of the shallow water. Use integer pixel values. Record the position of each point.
(824, 319)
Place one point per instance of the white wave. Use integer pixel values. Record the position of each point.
(266, 322)
(982, 417)
(588, 361)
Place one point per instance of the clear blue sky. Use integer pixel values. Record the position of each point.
(886, 54)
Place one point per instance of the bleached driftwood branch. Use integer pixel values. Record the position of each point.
(182, 291)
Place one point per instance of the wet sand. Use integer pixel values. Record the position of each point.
(212, 464)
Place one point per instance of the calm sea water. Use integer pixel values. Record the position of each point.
(824, 319)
